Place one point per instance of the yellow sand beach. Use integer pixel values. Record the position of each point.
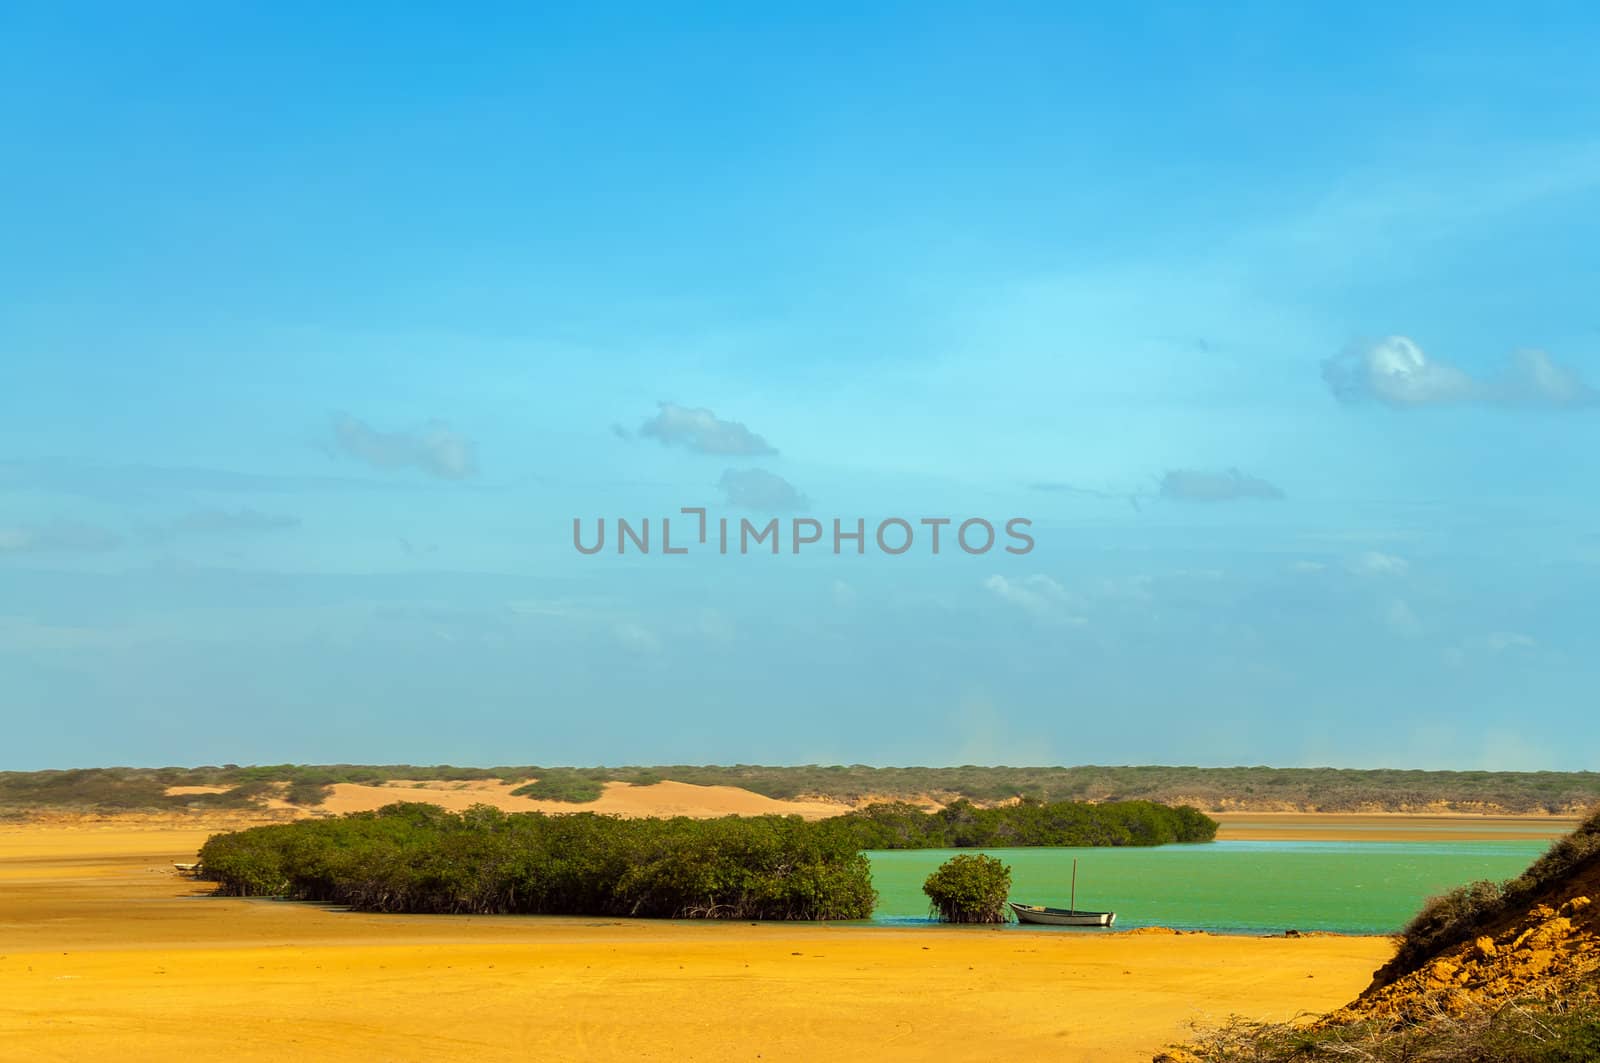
(106, 952)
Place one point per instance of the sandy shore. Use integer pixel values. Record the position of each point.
(1386, 827)
(106, 952)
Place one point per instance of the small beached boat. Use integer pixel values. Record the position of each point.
(1033, 913)
(1037, 913)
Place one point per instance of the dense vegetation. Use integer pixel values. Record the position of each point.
(1464, 913)
(1308, 789)
(969, 888)
(579, 785)
(420, 858)
(963, 825)
(144, 789)
(570, 786)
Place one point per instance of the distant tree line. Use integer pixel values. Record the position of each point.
(1260, 788)
(963, 825)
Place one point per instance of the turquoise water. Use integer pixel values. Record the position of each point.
(1349, 887)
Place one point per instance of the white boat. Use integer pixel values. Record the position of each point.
(1038, 913)
(1034, 913)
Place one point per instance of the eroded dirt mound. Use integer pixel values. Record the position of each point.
(1549, 951)
(1552, 954)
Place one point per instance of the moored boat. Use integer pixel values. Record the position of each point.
(1038, 913)
(1034, 913)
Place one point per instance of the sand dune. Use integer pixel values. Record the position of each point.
(108, 953)
(618, 798)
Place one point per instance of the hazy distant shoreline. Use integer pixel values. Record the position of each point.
(1268, 794)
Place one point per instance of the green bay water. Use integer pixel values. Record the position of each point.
(1348, 887)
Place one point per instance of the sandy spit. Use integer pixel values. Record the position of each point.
(1386, 827)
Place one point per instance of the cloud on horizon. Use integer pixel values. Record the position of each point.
(58, 537)
(1038, 595)
(762, 491)
(636, 638)
(1230, 485)
(1401, 619)
(1376, 563)
(146, 483)
(1396, 372)
(1062, 488)
(239, 521)
(699, 430)
(433, 449)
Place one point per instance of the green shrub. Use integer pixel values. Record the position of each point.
(969, 888)
(306, 792)
(562, 784)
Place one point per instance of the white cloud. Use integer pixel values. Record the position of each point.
(222, 521)
(1399, 618)
(1375, 563)
(25, 634)
(1537, 379)
(562, 608)
(1039, 595)
(143, 483)
(700, 430)
(59, 537)
(1397, 372)
(713, 625)
(1394, 370)
(761, 491)
(1495, 644)
(636, 638)
(433, 448)
(1134, 590)
(1501, 641)
(1230, 485)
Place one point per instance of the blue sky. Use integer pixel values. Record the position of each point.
(320, 325)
